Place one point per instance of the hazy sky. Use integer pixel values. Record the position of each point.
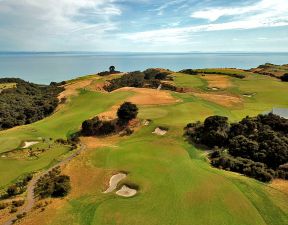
(144, 25)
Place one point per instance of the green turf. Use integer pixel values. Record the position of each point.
(60, 125)
(177, 184)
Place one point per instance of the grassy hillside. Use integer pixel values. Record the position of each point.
(177, 184)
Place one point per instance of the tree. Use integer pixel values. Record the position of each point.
(127, 112)
(12, 190)
(284, 77)
(112, 69)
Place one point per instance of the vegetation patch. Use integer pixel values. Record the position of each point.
(26, 103)
(256, 146)
(97, 127)
(229, 72)
(272, 70)
(53, 185)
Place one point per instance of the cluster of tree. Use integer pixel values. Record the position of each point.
(198, 71)
(133, 79)
(97, 127)
(158, 74)
(111, 71)
(284, 77)
(53, 185)
(26, 103)
(148, 78)
(17, 188)
(255, 146)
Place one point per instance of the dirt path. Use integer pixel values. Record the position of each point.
(30, 198)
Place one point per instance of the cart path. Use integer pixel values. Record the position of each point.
(30, 197)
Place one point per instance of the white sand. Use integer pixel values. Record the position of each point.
(114, 180)
(146, 122)
(28, 144)
(126, 192)
(158, 131)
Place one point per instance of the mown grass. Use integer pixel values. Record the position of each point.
(176, 184)
(60, 125)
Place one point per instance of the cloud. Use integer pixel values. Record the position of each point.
(43, 24)
(264, 14)
(274, 7)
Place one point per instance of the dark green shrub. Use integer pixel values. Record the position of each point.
(127, 112)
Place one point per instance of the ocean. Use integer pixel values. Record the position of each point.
(43, 68)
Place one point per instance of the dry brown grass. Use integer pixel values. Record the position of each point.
(281, 185)
(146, 96)
(71, 89)
(217, 81)
(221, 99)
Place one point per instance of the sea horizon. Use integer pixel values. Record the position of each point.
(45, 67)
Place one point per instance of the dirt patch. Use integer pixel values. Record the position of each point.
(125, 191)
(114, 180)
(221, 99)
(217, 81)
(146, 96)
(281, 185)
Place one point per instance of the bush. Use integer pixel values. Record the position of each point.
(26, 103)
(13, 209)
(127, 112)
(12, 190)
(158, 74)
(284, 77)
(96, 127)
(262, 141)
(3, 206)
(53, 185)
(18, 203)
(189, 71)
(133, 79)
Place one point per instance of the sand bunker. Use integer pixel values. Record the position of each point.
(159, 131)
(114, 180)
(217, 81)
(28, 144)
(126, 192)
(146, 122)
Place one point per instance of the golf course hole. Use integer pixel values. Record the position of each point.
(160, 131)
(114, 180)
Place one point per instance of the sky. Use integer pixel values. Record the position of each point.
(144, 25)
